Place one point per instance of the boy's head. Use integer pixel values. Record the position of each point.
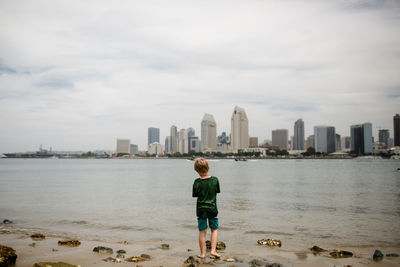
(201, 166)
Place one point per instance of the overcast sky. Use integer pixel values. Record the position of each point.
(78, 75)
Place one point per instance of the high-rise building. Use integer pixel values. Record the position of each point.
(310, 141)
(396, 130)
(156, 149)
(338, 143)
(208, 133)
(194, 144)
(298, 137)
(124, 146)
(253, 142)
(134, 149)
(174, 140)
(190, 134)
(324, 139)
(280, 138)
(153, 135)
(239, 129)
(346, 143)
(384, 136)
(183, 145)
(167, 145)
(361, 138)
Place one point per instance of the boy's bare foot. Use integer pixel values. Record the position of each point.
(215, 254)
(201, 257)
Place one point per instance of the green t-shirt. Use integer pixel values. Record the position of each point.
(206, 192)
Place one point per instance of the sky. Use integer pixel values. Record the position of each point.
(79, 75)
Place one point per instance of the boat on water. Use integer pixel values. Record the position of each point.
(240, 159)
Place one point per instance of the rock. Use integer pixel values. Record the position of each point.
(7, 221)
(273, 265)
(392, 255)
(135, 259)
(120, 256)
(54, 264)
(191, 260)
(341, 254)
(121, 251)
(378, 255)
(165, 246)
(7, 256)
(111, 259)
(269, 242)
(317, 249)
(257, 262)
(220, 245)
(102, 249)
(145, 256)
(124, 242)
(37, 237)
(32, 245)
(69, 243)
(229, 260)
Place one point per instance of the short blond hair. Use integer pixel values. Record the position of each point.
(201, 165)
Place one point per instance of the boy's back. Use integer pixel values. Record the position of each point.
(206, 192)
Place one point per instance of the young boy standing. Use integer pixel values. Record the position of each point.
(205, 189)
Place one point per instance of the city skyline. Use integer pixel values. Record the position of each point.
(79, 77)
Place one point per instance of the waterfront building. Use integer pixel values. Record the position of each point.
(156, 149)
(298, 136)
(280, 138)
(167, 145)
(124, 146)
(253, 142)
(183, 145)
(324, 139)
(239, 129)
(384, 136)
(208, 133)
(174, 139)
(338, 143)
(153, 135)
(396, 130)
(361, 138)
(134, 149)
(190, 134)
(194, 144)
(310, 142)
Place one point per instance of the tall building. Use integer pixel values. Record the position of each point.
(346, 143)
(167, 145)
(324, 139)
(194, 144)
(124, 146)
(396, 130)
(156, 149)
(280, 138)
(361, 138)
(174, 140)
(183, 145)
(208, 133)
(253, 142)
(134, 149)
(338, 143)
(239, 129)
(153, 135)
(384, 136)
(310, 141)
(190, 134)
(298, 137)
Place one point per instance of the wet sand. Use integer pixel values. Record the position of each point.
(48, 250)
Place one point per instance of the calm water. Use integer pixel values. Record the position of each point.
(341, 202)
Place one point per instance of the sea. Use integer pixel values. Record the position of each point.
(326, 202)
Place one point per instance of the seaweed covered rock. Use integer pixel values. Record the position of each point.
(6, 221)
(191, 262)
(54, 264)
(316, 249)
(7, 256)
(220, 245)
(136, 258)
(102, 249)
(269, 242)
(341, 254)
(37, 237)
(378, 255)
(69, 243)
(111, 259)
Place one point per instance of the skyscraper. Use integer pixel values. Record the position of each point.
(123, 146)
(361, 138)
(190, 134)
(153, 135)
(174, 139)
(338, 143)
(183, 145)
(311, 141)
(208, 133)
(324, 139)
(280, 138)
(384, 136)
(396, 130)
(239, 129)
(167, 145)
(298, 137)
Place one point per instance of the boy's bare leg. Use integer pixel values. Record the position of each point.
(202, 244)
(214, 238)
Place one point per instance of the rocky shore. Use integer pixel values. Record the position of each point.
(38, 250)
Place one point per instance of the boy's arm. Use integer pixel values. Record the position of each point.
(218, 189)
(194, 190)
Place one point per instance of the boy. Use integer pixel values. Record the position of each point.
(205, 189)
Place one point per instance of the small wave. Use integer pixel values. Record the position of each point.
(261, 232)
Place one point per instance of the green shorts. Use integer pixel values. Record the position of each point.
(202, 223)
